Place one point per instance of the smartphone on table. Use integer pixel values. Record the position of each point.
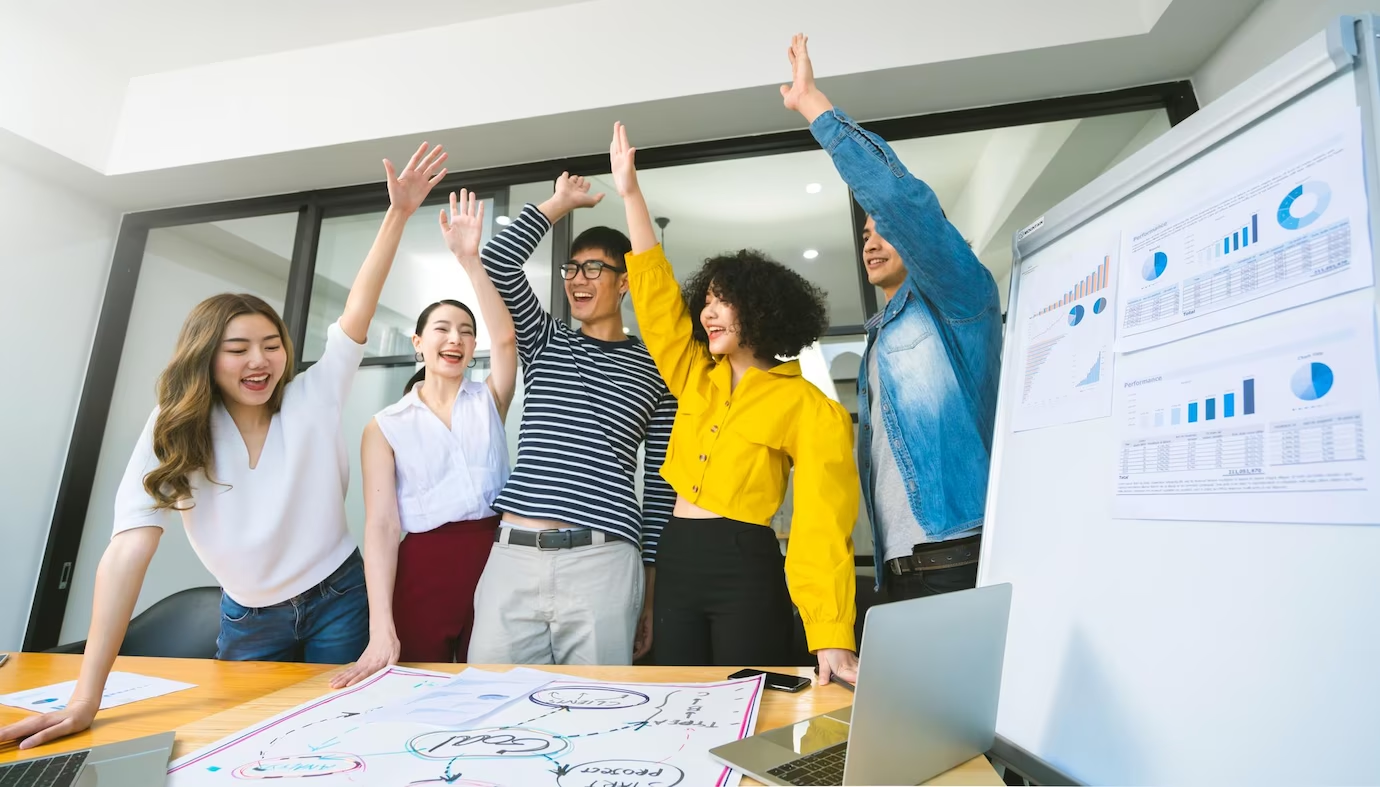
(775, 680)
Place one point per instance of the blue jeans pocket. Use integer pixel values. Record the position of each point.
(349, 577)
(232, 611)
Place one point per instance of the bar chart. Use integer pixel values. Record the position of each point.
(1217, 407)
(1093, 282)
(1248, 235)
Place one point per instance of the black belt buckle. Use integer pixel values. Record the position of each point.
(562, 540)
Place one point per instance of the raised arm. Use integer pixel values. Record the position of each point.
(382, 532)
(662, 316)
(939, 263)
(462, 229)
(118, 580)
(406, 191)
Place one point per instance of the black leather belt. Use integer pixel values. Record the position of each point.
(930, 557)
(547, 539)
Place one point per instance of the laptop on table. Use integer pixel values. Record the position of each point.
(929, 675)
(142, 762)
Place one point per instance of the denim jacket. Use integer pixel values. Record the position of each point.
(938, 342)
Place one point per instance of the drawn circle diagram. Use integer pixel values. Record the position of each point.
(299, 766)
(589, 698)
(1312, 381)
(1099, 306)
(487, 743)
(629, 772)
(1154, 266)
(1076, 314)
(1318, 191)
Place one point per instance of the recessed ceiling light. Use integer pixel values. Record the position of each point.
(504, 220)
(813, 188)
(810, 254)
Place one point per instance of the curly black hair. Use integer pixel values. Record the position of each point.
(779, 312)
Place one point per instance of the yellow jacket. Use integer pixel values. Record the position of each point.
(731, 451)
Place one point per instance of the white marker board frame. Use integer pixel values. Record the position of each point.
(1168, 652)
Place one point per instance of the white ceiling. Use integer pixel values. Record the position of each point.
(136, 37)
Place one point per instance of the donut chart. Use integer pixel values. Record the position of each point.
(1321, 194)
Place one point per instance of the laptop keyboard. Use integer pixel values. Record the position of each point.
(824, 768)
(57, 771)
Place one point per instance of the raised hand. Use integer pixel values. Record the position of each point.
(407, 190)
(801, 95)
(621, 160)
(464, 227)
(574, 191)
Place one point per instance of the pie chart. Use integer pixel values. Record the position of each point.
(1099, 305)
(1076, 315)
(1312, 197)
(1312, 381)
(1154, 266)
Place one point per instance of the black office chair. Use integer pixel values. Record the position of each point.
(184, 625)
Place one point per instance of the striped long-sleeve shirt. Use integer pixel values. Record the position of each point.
(589, 405)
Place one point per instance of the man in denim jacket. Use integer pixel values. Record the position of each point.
(927, 390)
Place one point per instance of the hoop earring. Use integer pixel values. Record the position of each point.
(417, 356)
(472, 362)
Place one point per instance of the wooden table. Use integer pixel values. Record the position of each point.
(230, 696)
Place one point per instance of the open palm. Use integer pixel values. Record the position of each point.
(408, 189)
(621, 156)
(573, 190)
(464, 226)
(802, 72)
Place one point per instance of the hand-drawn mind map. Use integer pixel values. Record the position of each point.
(565, 734)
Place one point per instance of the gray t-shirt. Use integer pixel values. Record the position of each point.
(895, 521)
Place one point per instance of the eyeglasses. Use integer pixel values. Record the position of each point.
(593, 269)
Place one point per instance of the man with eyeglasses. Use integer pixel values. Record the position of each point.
(565, 580)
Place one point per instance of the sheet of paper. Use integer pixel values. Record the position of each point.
(569, 733)
(121, 688)
(1067, 329)
(471, 695)
(1274, 229)
(1268, 421)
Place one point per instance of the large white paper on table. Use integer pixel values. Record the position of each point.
(471, 695)
(1268, 421)
(121, 688)
(569, 733)
(1278, 228)
(1066, 332)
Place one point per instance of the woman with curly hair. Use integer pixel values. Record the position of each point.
(723, 592)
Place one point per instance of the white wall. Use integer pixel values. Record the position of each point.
(55, 258)
(1274, 28)
(176, 275)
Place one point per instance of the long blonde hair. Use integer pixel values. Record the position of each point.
(187, 393)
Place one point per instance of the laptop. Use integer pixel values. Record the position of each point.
(929, 675)
(142, 762)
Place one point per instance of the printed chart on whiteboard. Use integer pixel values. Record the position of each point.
(1287, 233)
(1270, 421)
(482, 729)
(1067, 331)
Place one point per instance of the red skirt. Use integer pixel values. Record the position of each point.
(433, 594)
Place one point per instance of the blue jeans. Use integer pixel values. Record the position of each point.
(328, 624)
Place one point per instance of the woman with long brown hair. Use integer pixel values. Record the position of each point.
(254, 463)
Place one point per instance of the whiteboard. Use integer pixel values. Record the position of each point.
(1174, 651)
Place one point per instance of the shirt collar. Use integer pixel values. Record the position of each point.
(722, 373)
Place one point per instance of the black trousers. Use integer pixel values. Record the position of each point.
(929, 583)
(721, 597)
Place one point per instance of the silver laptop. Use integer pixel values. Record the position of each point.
(926, 699)
(142, 762)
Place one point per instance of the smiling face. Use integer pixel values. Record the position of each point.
(250, 362)
(592, 300)
(720, 321)
(882, 262)
(446, 342)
